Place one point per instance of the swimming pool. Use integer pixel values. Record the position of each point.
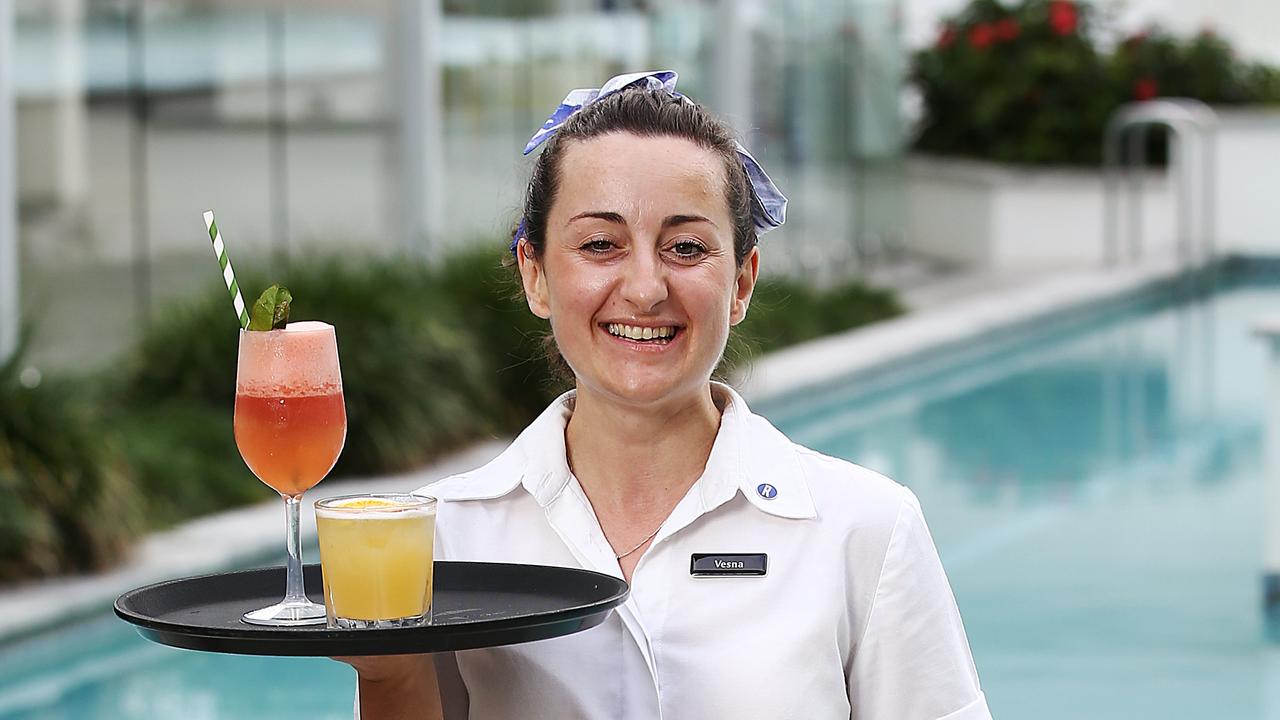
(1094, 486)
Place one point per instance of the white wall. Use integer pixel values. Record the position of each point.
(1249, 180)
(984, 215)
(987, 215)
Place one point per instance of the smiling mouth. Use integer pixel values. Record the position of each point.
(653, 335)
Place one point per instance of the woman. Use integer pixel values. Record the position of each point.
(638, 244)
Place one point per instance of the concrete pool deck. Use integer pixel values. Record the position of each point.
(943, 314)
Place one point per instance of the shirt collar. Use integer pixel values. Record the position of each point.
(752, 456)
(748, 455)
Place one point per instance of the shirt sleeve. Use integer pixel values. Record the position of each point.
(913, 660)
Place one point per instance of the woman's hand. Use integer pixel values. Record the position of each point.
(396, 687)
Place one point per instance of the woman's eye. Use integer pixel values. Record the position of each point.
(597, 245)
(688, 249)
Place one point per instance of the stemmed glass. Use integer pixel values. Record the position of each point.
(290, 425)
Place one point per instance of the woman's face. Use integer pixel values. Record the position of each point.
(638, 276)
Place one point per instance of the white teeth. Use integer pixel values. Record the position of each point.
(632, 332)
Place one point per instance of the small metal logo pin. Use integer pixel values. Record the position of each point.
(767, 491)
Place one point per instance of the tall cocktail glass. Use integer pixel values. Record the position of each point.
(290, 425)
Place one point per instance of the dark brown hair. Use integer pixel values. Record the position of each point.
(647, 113)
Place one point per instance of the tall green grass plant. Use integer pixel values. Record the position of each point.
(67, 501)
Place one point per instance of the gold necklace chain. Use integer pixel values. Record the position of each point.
(652, 535)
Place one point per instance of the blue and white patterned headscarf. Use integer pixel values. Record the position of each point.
(770, 207)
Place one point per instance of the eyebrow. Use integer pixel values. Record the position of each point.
(674, 220)
(613, 217)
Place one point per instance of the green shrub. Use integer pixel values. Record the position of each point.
(1203, 67)
(183, 460)
(785, 312)
(513, 341)
(1029, 82)
(1015, 84)
(66, 500)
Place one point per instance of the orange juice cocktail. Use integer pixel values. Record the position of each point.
(376, 558)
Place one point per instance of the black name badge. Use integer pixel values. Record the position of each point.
(728, 564)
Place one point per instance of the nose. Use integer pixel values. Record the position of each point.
(644, 281)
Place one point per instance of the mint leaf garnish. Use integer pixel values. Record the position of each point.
(271, 311)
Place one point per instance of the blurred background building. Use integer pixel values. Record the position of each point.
(393, 127)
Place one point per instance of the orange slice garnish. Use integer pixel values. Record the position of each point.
(362, 503)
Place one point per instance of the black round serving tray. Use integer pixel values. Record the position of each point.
(475, 605)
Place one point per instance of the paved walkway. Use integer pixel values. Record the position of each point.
(951, 310)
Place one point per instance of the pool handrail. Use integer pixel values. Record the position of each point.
(1191, 123)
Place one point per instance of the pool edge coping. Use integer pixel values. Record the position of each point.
(801, 369)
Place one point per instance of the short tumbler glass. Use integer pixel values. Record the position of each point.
(376, 558)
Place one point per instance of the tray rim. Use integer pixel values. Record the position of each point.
(301, 637)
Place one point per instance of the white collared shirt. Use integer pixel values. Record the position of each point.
(854, 618)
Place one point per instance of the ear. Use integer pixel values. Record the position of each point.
(744, 285)
(534, 279)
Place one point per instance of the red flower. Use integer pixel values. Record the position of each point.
(1063, 17)
(981, 36)
(946, 38)
(1145, 88)
(1007, 29)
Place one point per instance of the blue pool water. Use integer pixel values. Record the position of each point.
(1094, 488)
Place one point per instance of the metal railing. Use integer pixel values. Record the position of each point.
(1192, 129)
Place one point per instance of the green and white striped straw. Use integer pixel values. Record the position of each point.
(227, 273)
